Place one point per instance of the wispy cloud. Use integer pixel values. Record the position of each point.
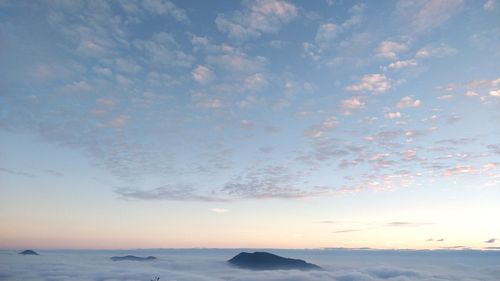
(407, 224)
(258, 17)
(219, 210)
(408, 101)
(374, 83)
(390, 49)
(16, 172)
(348, 230)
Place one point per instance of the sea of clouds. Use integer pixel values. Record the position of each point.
(211, 265)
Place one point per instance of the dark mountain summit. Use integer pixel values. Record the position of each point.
(29, 252)
(268, 261)
(133, 258)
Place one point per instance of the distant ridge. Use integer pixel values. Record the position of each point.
(268, 261)
(29, 253)
(133, 258)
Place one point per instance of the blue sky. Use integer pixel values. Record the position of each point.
(328, 117)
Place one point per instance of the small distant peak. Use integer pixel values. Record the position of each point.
(133, 258)
(29, 252)
(268, 261)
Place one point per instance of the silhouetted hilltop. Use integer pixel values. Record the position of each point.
(268, 261)
(133, 258)
(29, 252)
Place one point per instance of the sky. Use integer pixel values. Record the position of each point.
(255, 123)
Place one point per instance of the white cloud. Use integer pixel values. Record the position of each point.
(203, 101)
(126, 66)
(489, 5)
(371, 83)
(161, 7)
(162, 49)
(471, 94)
(106, 102)
(202, 74)
(390, 49)
(495, 93)
(425, 15)
(402, 64)
(80, 86)
(351, 104)
(325, 126)
(393, 115)
(408, 101)
(356, 15)
(445, 97)
(259, 16)
(238, 62)
(326, 33)
(255, 82)
(246, 124)
(219, 210)
(103, 71)
(458, 170)
(440, 51)
(410, 154)
(119, 121)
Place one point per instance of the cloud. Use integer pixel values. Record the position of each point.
(349, 230)
(267, 182)
(210, 265)
(454, 118)
(445, 97)
(168, 192)
(349, 105)
(410, 154)
(320, 129)
(163, 49)
(236, 62)
(357, 12)
(219, 210)
(459, 170)
(255, 82)
(471, 94)
(495, 93)
(257, 18)
(202, 100)
(119, 121)
(407, 224)
(390, 49)
(16, 172)
(489, 5)
(440, 51)
(271, 181)
(246, 124)
(403, 64)
(492, 240)
(161, 7)
(393, 115)
(407, 102)
(326, 33)
(376, 83)
(202, 74)
(75, 87)
(107, 102)
(424, 16)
